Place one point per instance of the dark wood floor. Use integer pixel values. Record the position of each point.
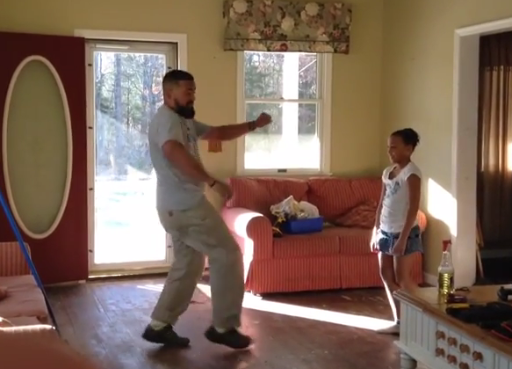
(105, 320)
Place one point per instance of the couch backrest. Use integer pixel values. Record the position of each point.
(335, 196)
(332, 195)
(258, 194)
(12, 260)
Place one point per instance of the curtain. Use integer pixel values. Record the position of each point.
(494, 176)
(287, 25)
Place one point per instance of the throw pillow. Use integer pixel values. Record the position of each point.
(360, 216)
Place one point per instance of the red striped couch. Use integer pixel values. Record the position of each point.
(27, 339)
(22, 303)
(336, 258)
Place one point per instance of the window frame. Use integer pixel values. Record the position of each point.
(324, 66)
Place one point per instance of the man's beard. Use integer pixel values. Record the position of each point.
(185, 111)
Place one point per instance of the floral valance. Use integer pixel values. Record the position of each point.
(286, 25)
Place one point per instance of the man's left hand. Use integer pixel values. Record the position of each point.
(263, 120)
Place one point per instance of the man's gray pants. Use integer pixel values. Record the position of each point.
(197, 232)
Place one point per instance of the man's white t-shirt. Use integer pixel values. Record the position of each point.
(395, 204)
(174, 191)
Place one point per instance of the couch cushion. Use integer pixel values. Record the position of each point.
(258, 194)
(335, 196)
(24, 298)
(352, 241)
(21, 282)
(306, 245)
(24, 303)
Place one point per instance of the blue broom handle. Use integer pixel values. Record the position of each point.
(26, 254)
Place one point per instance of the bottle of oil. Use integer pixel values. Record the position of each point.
(445, 271)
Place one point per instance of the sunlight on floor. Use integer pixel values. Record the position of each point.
(257, 303)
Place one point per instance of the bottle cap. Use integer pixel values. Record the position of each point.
(446, 244)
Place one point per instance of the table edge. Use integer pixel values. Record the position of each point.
(473, 331)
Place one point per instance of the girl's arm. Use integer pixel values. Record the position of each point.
(414, 183)
(379, 208)
(373, 244)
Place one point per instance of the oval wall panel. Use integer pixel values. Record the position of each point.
(37, 147)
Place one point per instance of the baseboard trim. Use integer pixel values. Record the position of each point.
(127, 273)
(431, 279)
(115, 274)
(63, 284)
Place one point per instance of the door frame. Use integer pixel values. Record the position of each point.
(462, 214)
(123, 37)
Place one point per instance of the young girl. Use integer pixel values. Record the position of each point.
(396, 234)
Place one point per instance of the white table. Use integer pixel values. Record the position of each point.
(431, 337)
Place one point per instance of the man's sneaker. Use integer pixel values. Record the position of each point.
(232, 338)
(165, 336)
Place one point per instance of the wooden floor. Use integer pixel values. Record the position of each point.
(300, 331)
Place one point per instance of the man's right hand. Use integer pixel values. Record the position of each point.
(222, 189)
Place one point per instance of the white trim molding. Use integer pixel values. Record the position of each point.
(324, 119)
(176, 38)
(69, 147)
(67, 284)
(464, 144)
(431, 279)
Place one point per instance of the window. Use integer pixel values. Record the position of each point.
(294, 89)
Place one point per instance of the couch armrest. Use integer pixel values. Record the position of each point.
(12, 261)
(422, 221)
(253, 227)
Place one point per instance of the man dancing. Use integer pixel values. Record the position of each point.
(195, 226)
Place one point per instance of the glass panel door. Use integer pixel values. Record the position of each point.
(127, 81)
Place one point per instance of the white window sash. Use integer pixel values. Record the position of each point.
(131, 45)
(323, 102)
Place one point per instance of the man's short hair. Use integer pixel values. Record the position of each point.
(175, 76)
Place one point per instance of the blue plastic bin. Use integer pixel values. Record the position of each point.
(301, 226)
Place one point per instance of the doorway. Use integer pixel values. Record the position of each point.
(464, 148)
(124, 93)
(494, 170)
